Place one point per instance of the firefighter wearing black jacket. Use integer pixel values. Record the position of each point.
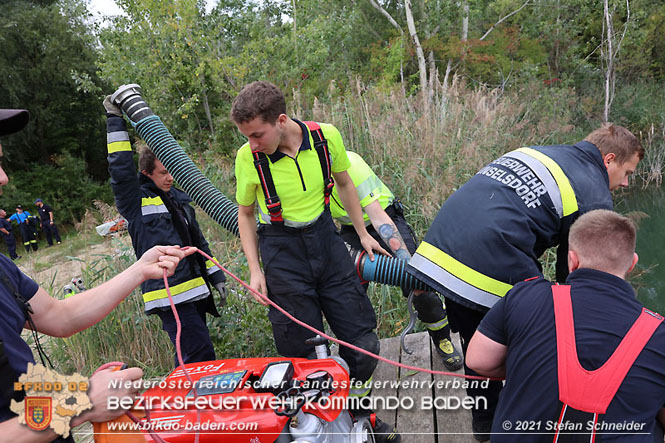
(159, 214)
(490, 233)
(8, 235)
(46, 222)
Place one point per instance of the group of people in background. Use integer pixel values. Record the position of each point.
(28, 225)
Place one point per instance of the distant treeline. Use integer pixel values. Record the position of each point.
(559, 57)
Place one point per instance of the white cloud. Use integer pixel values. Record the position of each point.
(100, 8)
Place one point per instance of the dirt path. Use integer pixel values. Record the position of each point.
(54, 267)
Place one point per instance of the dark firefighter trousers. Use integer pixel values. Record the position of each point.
(29, 236)
(51, 231)
(309, 272)
(11, 245)
(465, 321)
(195, 343)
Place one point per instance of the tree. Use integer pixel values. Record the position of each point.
(610, 50)
(47, 65)
(181, 58)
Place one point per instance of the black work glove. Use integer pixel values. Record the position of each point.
(221, 288)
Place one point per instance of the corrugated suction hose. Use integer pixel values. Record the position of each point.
(151, 129)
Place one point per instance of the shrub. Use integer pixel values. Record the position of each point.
(65, 186)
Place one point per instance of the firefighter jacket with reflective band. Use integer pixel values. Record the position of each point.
(587, 394)
(368, 187)
(490, 233)
(150, 223)
(298, 181)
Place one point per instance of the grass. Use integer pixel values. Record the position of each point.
(423, 152)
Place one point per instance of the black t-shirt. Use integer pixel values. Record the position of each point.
(604, 309)
(44, 212)
(12, 320)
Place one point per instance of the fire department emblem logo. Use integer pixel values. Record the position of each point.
(38, 412)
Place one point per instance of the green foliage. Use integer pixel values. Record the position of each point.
(655, 44)
(64, 185)
(638, 105)
(507, 56)
(47, 65)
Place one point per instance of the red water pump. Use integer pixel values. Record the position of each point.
(246, 400)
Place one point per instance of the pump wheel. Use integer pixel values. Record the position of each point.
(361, 432)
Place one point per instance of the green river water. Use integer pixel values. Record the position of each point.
(649, 280)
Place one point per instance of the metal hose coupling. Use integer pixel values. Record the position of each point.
(387, 270)
(129, 98)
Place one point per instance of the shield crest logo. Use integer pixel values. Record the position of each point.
(38, 412)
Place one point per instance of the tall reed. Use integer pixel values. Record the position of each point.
(425, 150)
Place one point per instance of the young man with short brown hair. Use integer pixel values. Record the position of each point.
(579, 357)
(288, 166)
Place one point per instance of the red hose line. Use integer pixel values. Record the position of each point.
(340, 342)
(158, 439)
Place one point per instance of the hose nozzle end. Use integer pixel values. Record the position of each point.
(129, 98)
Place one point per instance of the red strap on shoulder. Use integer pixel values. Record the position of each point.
(592, 391)
(273, 204)
(313, 126)
(321, 147)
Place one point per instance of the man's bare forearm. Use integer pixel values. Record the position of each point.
(248, 237)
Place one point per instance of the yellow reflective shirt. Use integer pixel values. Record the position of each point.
(298, 181)
(368, 186)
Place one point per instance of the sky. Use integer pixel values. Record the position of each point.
(104, 7)
(101, 8)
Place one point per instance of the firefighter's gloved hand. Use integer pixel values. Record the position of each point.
(110, 107)
(221, 288)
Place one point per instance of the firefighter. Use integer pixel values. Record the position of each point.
(384, 217)
(288, 166)
(584, 352)
(8, 235)
(160, 213)
(490, 233)
(46, 222)
(28, 232)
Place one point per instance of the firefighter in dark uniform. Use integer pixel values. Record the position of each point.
(159, 214)
(8, 235)
(384, 217)
(47, 223)
(287, 167)
(584, 356)
(28, 231)
(490, 233)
